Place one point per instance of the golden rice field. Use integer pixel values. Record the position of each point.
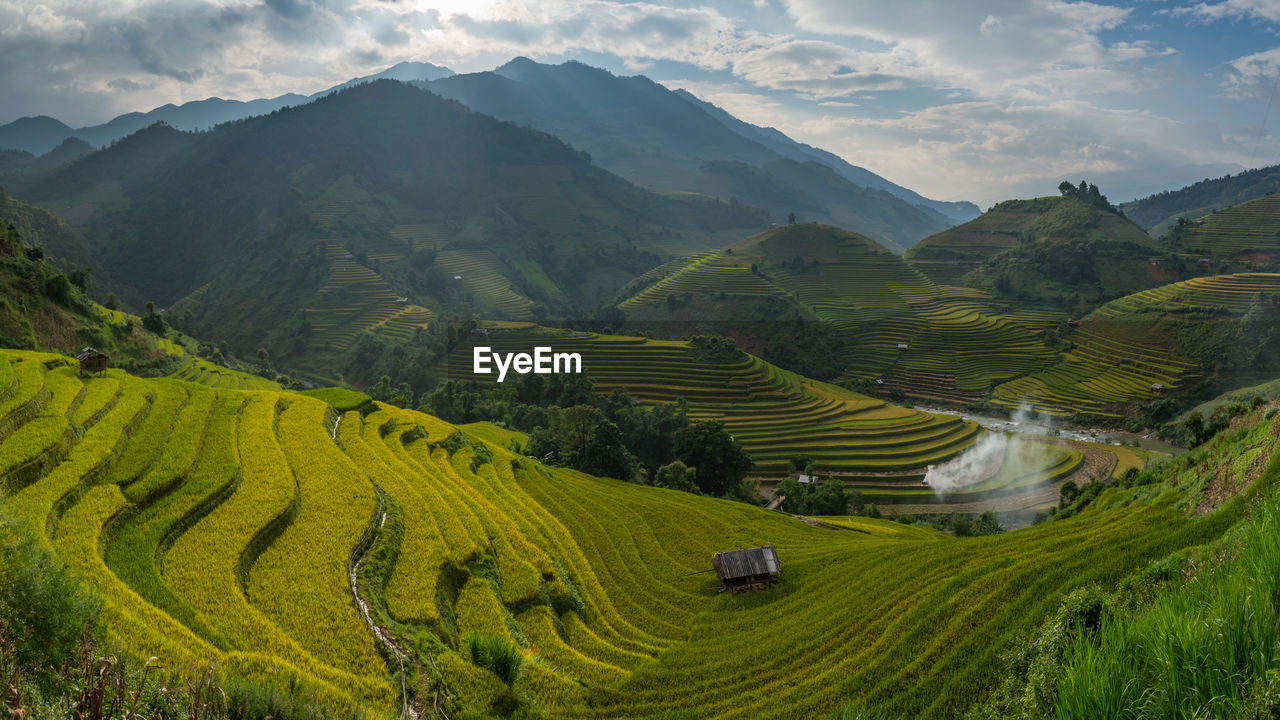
(1126, 347)
(221, 524)
(935, 342)
(355, 300)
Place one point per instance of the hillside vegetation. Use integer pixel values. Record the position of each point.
(1159, 341)
(235, 543)
(1158, 213)
(299, 230)
(1057, 252)
(770, 288)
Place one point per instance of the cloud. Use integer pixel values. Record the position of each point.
(1268, 10)
(990, 48)
(1008, 150)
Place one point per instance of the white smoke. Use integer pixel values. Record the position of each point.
(1029, 422)
(974, 465)
(1009, 455)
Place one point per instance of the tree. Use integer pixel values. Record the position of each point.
(987, 524)
(112, 303)
(81, 278)
(791, 218)
(58, 288)
(152, 320)
(604, 453)
(676, 476)
(720, 461)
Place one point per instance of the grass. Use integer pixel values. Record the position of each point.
(516, 588)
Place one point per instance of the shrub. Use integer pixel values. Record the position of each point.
(496, 654)
(43, 609)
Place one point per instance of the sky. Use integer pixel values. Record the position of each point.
(956, 99)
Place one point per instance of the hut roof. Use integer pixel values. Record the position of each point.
(734, 564)
(90, 353)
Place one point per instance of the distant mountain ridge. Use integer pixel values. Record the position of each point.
(39, 135)
(669, 141)
(778, 141)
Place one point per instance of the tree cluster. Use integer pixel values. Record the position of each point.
(1088, 194)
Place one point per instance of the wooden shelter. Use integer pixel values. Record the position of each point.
(92, 361)
(748, 569)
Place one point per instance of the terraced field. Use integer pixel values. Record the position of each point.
(194, 547)
(1132, 348)
(203, 372)
(1251, 227)
(879, 449)
(357, 300)
(475, 271)
(957, 347)
(421, 236)
(775, 413)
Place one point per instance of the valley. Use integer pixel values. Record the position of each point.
(247, 431)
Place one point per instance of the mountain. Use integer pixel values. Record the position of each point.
(777, 141)
(668, 142)
(1060, 252)
(367, 210)
(38, 135)
(1158, 213)
(12, 161)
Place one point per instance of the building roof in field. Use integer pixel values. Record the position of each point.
(90, 353)
(745, 563)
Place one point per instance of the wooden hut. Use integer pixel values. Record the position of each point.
(92, 361)
(748, 569)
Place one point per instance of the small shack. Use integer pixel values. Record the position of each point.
(748, 569)
(1157, 388)
(92, 361)
(902, 346)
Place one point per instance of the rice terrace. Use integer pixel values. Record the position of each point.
(336, 383)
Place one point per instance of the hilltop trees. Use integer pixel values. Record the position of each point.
(1088, 194)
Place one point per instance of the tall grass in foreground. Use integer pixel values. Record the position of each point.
(1208, 649)
(495, 653)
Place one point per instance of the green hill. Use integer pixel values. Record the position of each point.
(237, 542)
(1171, 336)
(957, 345)
(299, 231)
(1160, 212)
(1052, 252)
(1248, 232)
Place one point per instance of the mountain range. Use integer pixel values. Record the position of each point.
(667, 141)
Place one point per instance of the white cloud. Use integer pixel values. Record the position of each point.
(1007, 150)
(1268, 10)
(990, 49)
